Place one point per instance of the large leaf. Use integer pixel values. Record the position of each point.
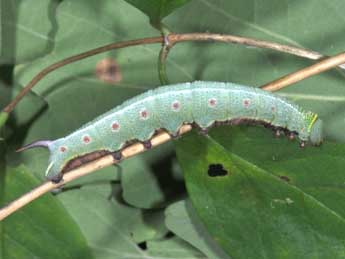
(156, 10)
(181, 219)
(41, 229)
(114, 230)
(26, 36)
(75, 95)
(108, 228)
(136, 181)
(275, 213)
(316, 170)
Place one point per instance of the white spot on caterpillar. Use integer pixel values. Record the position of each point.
(86, 139)
(212, 102)
(144, 114)
(115, 126)
(63, 149)
(175, 106)
(246, 103)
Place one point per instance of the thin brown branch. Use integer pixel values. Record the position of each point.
(163, 54)
(176, 38)
(172, 38)
(301, 52)
(73, 59)
(306, 72)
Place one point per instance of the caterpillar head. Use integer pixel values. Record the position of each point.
(314, 128)
(316, 132)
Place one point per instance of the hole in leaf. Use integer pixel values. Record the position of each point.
(142, 245)
(284, 178)
(169, 234)
(216, 170)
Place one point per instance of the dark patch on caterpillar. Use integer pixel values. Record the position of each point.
(117, 155)
(147, 144)
(80, 160)
(83, 159)
(57, 179)
(89, 157)
(249, 122)
(216, 170)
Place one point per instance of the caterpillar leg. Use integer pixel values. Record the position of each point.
(57, 190)
(278, 133)
(57, 179)
(147, 144)
(292, 136)
(117, 155)
(203, 131)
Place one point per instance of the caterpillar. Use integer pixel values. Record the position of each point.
(167, 108)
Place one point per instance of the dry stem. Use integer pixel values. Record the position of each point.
(88, 168)
(172, 39)
(306, 72)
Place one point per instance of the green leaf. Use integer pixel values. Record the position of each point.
(156, 10)
(2, 190)
(137, 179)
(145, 173)
(26, 36)
(181, 219)
(316, 170)
(253, 213)
(25, 111)
(174, 248)
(75, 95)
(114, 229)
(3, 118)
(42, 228)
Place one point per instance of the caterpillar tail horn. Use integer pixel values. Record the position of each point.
(40, 143)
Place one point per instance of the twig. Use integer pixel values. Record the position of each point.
(176, 38)
(73, 59)
(138, 148)
(306, 72)
(163, 54)
(172, 38)
(301, 52)
(102, 162)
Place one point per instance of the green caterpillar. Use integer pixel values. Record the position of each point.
(169, 107)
